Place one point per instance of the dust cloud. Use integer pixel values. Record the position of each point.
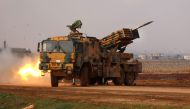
(15, 70)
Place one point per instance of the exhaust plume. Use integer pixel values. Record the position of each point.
(15, 70)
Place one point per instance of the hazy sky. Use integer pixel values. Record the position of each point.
(23, 23)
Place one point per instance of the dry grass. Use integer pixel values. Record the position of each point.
(166, 66)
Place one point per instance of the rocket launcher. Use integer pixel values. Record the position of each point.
(118, 41)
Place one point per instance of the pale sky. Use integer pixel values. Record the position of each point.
(23, 23)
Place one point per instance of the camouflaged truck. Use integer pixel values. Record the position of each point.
(89, 59)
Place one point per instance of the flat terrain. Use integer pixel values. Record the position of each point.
(163, 85)
(164, 79)
(163, 66)
(109, 95)
(152, 90)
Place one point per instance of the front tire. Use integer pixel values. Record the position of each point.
(54, 81)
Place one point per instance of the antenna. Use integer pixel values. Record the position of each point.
(4, 44)
(144, 25)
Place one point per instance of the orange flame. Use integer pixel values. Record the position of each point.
(29, 70)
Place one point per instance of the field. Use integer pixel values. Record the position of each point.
(162, 85)
(165, 73)
(166, 66)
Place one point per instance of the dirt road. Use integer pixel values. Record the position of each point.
(177, 96)
(153, 89)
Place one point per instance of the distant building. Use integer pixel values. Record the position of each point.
(157, 56)
(162, 56)
(178, 56)
(15, 51)
(187, 57)
(143, 56)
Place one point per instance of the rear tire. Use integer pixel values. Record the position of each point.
(117, 81)
(54, 81)
(120, 80)
(92, 81)
(129, 78)
(100, 81)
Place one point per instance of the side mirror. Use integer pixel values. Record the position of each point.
(38, 49)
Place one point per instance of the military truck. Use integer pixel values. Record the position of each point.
(89, 59)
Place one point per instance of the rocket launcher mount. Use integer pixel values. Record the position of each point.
(118, 41)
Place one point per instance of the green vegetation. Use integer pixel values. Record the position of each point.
(10, 101)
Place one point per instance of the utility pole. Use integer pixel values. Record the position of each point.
(4, 44)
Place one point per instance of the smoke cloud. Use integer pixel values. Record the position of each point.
(11, 64)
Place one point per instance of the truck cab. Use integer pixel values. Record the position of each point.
(57, 57)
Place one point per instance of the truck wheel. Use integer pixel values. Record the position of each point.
(120, 80)
(92, 81)
(100, 82)
(129, 78)
(84, 79)
(117, 81)
(54, 81)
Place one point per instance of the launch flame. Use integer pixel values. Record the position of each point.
(21, 70)
(29, 70)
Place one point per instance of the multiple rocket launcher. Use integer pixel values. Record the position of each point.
(120, 39)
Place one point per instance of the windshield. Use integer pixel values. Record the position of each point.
(58, 46)
(50, 46)
(66, 46)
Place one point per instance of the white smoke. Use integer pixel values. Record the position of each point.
(10, 64)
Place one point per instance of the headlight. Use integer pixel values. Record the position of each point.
(69, 68)
(58, 61)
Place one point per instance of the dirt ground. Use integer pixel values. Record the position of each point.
(164, 79)
(145, 92)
